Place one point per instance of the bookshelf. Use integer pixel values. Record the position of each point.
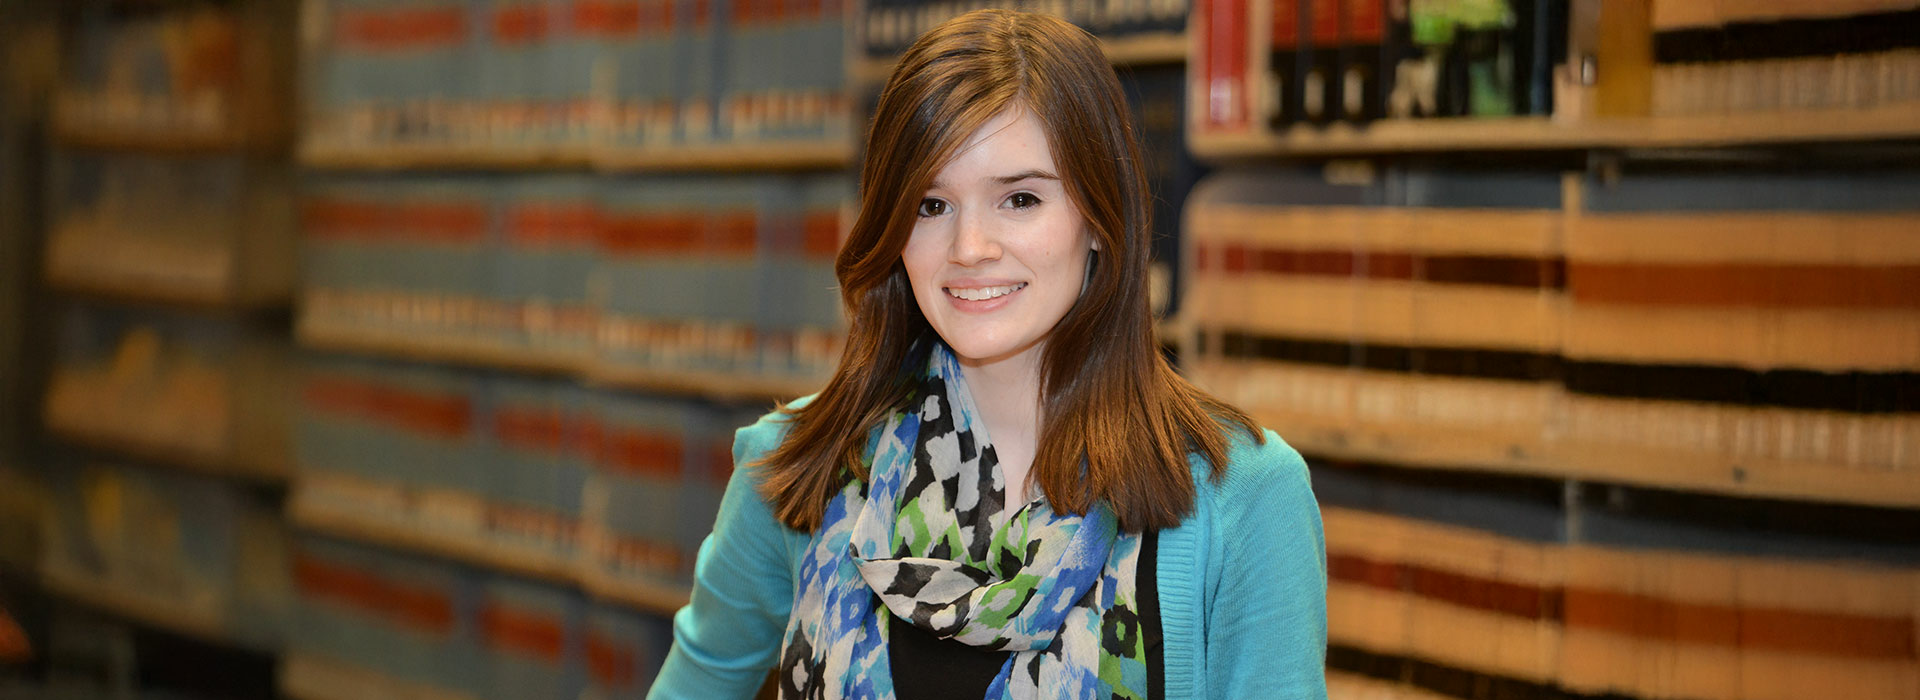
(1514, 446)
(109, 439)
(1134, 49)
(405, 528)
(714, 386)
(1517, 134)
(204, 624)
(314, 677)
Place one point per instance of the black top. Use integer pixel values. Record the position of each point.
(926, 667)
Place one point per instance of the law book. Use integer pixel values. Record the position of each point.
(641, 450)
(699, 45)
(1321, 84)
(624, 649)
(533, 638)
(1364, 71)
(1290, 62)
(1220, 93)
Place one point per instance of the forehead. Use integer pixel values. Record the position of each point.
(1010, 142)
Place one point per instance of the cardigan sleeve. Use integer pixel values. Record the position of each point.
(727, 637)
(1267, 631)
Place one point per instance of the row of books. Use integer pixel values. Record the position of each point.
(574, 73)
(462, 631)
(187, 388)
(1325, 61)
(890, 26)
(1643, 323)
(188, 551)
(1361, 60)
(171, 72)
(603, 485)
(205, 226)
(1783, 56)
(1477, 586)
(717, 273)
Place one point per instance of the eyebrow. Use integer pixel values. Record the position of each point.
(1010, 179)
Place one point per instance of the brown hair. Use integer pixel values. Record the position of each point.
(1107, 395)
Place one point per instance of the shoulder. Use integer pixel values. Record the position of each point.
(1259, 474)
(754, 441)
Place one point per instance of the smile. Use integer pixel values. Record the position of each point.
(984, 293)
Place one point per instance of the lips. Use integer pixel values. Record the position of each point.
(984, 293)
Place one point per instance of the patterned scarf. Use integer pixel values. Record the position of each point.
(931, 538)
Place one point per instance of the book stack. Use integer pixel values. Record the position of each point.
(170, 387)
(1751, 56)
(181, 551)
(204, 230)
(1473, 586)
(1727, 332)
(1424, 306)
(563, 76)
(729, 274)
(376, 621)
(890, 26)
(542, 476)
(158, 73)
(1358, 61)
(1741, 320)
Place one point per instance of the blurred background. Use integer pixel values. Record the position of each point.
(393, 348)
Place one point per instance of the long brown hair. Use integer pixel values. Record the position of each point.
(1107, 395)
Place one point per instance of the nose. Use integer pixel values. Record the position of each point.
(973, 242)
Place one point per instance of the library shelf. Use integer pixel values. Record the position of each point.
(391, 529)
(132, 604)
(310, 510)
(1447, 449)
(307, 676)
(125, 289)
(110, 439)
(422, 156)
(1899, 121)
(749, 156)
(426, 348)
(163, 142)
(1142, 49)
(1353, 686)
(716, 386)
(753, 156)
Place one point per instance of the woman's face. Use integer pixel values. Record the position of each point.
(999, 252)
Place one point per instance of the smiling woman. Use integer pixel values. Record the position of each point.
(1005, 490)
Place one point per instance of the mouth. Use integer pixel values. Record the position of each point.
(983, 293)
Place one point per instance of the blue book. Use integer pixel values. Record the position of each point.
(533, 637)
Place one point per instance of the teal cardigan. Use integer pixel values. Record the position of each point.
(1242, 584)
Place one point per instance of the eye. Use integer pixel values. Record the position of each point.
(931, 207)
(1023, 200)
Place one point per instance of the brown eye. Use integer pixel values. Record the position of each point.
(1023, 200)
(931, 207)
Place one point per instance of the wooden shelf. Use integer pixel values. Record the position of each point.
(1451, 450)
(104, 439)
(148, 293)
(769, 155)
(147, 610)
(316, 515)
(1144, 49)
(1544, 134)
(712, 385)
(717, 386)
(148, 141)
(311, 677)
(425, 348)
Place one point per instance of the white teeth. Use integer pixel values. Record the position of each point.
(984, 293)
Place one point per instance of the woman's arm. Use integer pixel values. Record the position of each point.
(1267, 631)
(726, 639)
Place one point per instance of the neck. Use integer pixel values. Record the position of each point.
(1007, 392)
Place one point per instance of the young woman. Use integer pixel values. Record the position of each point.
(1004, 490)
